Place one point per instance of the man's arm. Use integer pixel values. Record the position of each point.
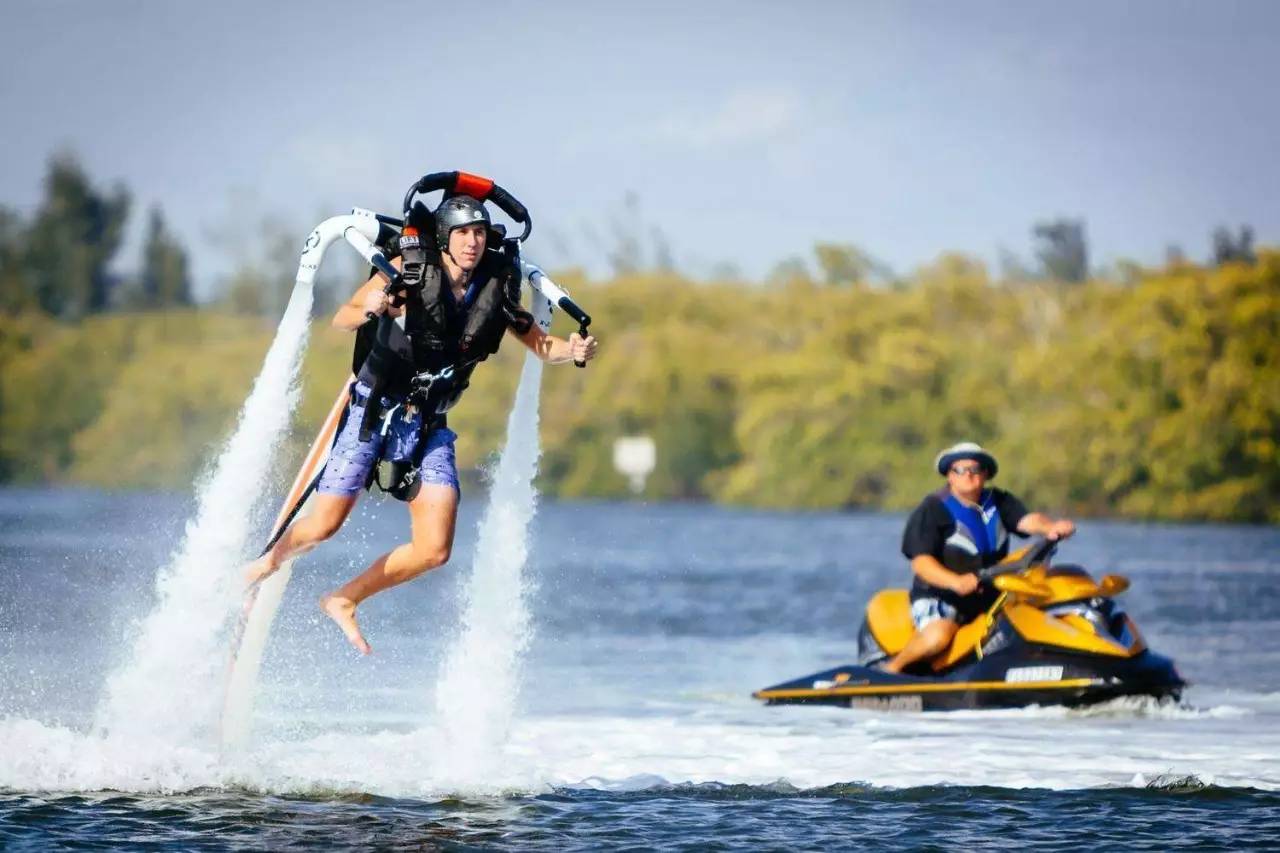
(1039, 524)
(932, 572)
(923, 537)
(1015, 516)
(368, 298)
(555, 350)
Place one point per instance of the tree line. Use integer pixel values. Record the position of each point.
(1145, 393)
(59, 262)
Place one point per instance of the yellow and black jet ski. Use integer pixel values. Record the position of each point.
(1054, 636)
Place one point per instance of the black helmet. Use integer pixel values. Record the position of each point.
(455, 212)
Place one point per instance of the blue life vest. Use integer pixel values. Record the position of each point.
(980, 538)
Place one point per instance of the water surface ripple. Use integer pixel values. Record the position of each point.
(634, 728)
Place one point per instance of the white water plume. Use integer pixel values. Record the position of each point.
(170, 687)
(476, 694)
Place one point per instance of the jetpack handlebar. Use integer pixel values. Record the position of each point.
(556, 295)
(482, 189)
(368, 248)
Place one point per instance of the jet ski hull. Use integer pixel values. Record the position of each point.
(996, 681)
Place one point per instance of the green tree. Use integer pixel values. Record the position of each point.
(165, 281)
(788, 270)
(73, 237)
(1232, 249)
(844, 264)
(15, 286)
(1063, 249)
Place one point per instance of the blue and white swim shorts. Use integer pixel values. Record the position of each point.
(351, 460)
(926, 610)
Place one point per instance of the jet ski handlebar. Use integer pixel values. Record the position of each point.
(1038, 551)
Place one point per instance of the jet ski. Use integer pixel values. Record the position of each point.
(1054, 636)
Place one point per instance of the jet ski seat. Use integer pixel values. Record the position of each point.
(889, 617)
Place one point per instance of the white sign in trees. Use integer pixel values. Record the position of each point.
(634, 456)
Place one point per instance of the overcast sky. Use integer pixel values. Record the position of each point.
(747, 131)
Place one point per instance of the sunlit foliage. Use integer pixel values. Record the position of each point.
(1155, 397)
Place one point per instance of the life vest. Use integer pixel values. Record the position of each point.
(437, 341)
(980, 538)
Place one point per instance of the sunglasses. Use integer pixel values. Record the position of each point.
(961, 470)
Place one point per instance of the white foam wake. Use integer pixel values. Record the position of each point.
(476, 693)
(803, 748)
(169, 688)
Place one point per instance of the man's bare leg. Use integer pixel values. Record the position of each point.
(433, 514)
(326, 517)
(931, 640)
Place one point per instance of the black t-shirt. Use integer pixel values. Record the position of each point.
(930, 525)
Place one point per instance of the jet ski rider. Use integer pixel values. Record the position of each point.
(949, 537)
(456, 316)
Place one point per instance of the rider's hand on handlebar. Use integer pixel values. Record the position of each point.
(582, 349)
(965, 584)
(1060, 529)
(376, 302)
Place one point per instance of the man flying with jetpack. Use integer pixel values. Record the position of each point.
(455, 296)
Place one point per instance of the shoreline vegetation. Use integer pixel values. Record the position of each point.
(1140, 393)
(1158, 399)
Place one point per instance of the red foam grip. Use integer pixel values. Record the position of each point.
(473, 185)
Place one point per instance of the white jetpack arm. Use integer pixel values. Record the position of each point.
(555, 296)
(363, 229)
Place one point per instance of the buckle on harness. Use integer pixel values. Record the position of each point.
(422, 382)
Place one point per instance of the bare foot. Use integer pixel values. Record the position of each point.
(343, 611)
(259, 569)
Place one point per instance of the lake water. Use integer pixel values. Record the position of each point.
(633, 726)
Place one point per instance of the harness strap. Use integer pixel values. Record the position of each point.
(371, 405)
(386, 418)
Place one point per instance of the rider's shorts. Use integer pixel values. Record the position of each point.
(351, 461)
(439, 464)
(931, 603)
(926, 610)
